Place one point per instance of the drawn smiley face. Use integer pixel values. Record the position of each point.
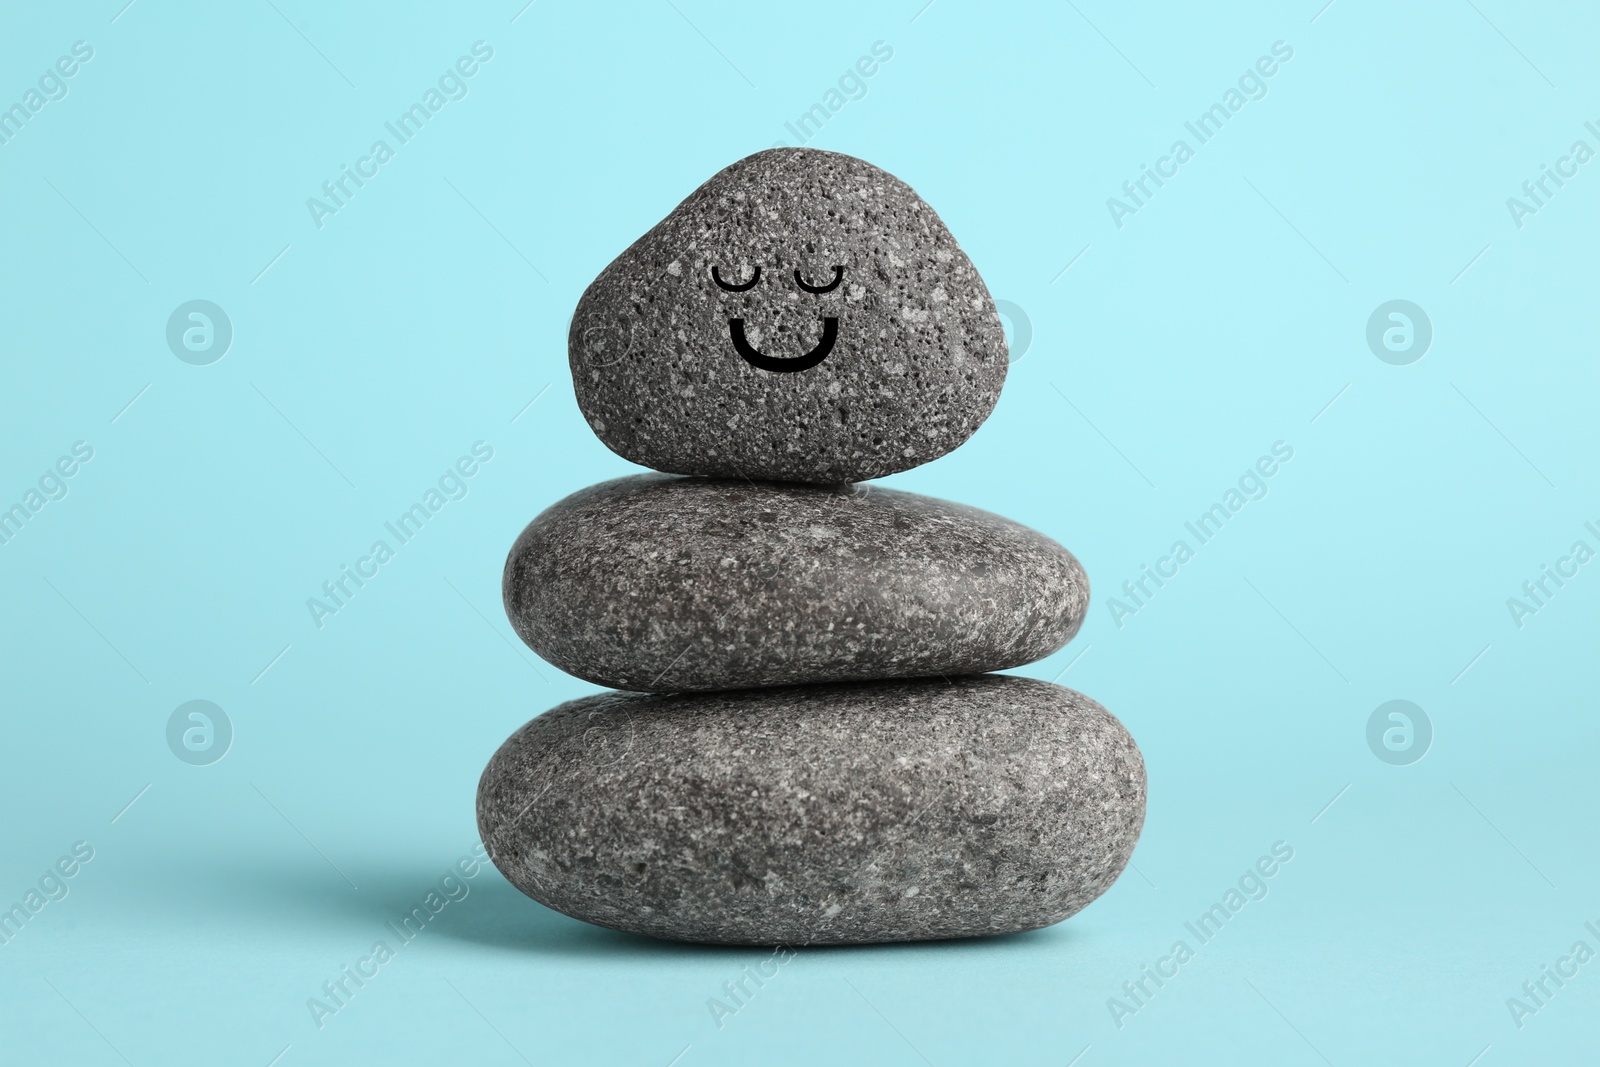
(779, 365)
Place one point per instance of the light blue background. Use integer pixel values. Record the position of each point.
(1227, 314)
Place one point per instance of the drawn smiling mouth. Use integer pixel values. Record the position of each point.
(748, 352)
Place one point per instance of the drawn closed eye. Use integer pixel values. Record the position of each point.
(741, 287)
(838, 276)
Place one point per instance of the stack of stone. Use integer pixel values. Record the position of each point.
(806, 749)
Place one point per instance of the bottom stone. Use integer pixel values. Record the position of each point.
(815, 815)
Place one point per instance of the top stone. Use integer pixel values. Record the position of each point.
(803, 316)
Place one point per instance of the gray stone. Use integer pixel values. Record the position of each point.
(814, 815)
(918, 354)
(665, 584)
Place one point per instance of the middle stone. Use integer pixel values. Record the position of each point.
(664, 584)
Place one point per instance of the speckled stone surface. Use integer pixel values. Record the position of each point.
(919, 354)
(665, 584)
(885, 811)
